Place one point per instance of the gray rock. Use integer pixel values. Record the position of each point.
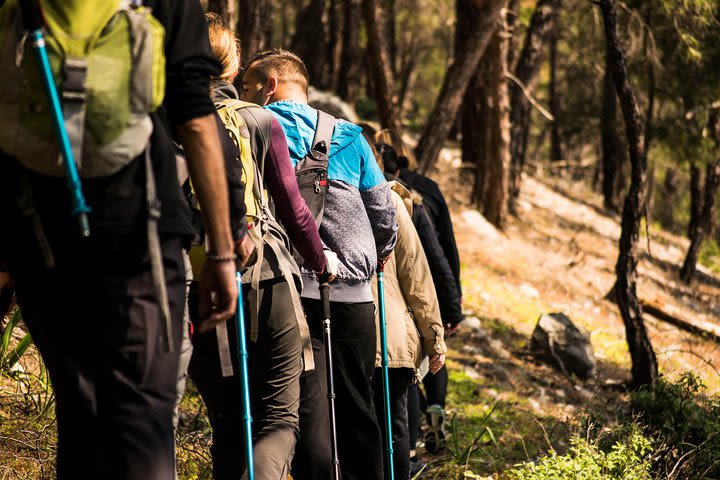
(564, 345)
(332, 104)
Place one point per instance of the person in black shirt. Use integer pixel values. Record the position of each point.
(90, 303)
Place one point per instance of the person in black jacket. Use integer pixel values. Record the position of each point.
(449, 295)
(92, 303)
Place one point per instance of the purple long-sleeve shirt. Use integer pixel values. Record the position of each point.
(290, 207)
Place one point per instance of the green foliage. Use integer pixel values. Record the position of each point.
(460, 452)
(710, 254)
(627, 459)
(686, 424)
(9, 357)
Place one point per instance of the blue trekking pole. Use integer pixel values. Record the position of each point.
(244, 380)
(385, 373)
(33, 22)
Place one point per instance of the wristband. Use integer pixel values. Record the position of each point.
(220, 258)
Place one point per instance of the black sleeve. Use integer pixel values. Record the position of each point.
(189, 59)
(443, 278)
(236, 187)
(446, 235)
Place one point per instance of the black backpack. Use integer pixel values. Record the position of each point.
(312, 171)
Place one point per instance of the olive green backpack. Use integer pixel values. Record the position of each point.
(107, 58)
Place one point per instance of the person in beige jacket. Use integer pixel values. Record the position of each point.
(414, 329)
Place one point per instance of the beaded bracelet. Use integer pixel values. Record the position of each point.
(220, 258)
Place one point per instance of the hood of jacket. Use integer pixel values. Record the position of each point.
(221, 90)
(404, 194)
(303, 118)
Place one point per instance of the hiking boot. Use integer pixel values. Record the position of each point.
(435, 435)
(416, 466)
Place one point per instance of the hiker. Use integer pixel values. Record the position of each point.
(414, 328)
(92, 303)
(359, 224)
(436, 207)
(276, 349)
(448, 297)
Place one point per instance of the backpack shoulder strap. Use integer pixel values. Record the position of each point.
(323, 136)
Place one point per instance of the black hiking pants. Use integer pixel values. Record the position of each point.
(399, 380)
(436, 386)
(95, 319)
(358, 433)
(274, 366)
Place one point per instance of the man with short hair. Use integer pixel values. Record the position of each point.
(359, 224)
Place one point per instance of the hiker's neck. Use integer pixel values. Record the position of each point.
(291, 93)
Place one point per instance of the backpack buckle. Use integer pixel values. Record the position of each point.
(73, 88)
(154, 209)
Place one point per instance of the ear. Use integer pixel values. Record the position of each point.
(272, 85)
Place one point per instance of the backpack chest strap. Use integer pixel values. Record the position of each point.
(74, 95)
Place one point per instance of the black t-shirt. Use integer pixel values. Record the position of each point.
(118, 201)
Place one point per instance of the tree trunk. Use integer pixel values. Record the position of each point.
(380, 67)
(556, 151)
(224, 8)
(456, 81)
(310, 42)
(644, 363)
(513, 12)
(350, 75)
(253, 27)
(334, 44)
(695, 197)
(703, 225)
(612, 155)
(485, 120)
(389, 7)
(528, 66)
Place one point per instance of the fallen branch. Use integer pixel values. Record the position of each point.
(545, 113)
(663, 315)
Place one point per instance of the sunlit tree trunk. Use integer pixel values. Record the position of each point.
(456, 81)
(644, 362)
(612, 155)
(253, 27)
(528, 66)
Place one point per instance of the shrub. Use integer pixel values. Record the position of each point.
(686, 424)
(626, 459)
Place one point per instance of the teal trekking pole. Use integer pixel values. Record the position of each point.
(32, 19)
(385, 373)
(244, 380)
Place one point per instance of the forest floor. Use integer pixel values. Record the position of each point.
(557, 255)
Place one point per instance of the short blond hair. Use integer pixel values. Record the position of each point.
(225, 46)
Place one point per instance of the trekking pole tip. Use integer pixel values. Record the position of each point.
(84, 224)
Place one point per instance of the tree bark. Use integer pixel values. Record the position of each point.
(612, 157)
(556, 151)
(485, 120)
(350, 75)
(703, 224)
(310, 42)
(644, 362)
(224, 8)
(695, 197)
(528, 66)
(253, 27)
(456, 81)
(382, 77)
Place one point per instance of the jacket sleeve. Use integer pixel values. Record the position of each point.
(289, 205)
(446, 235)
(416, 283)
(442, 275)
(376, 197)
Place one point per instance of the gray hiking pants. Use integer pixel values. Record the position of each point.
(275, 364)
